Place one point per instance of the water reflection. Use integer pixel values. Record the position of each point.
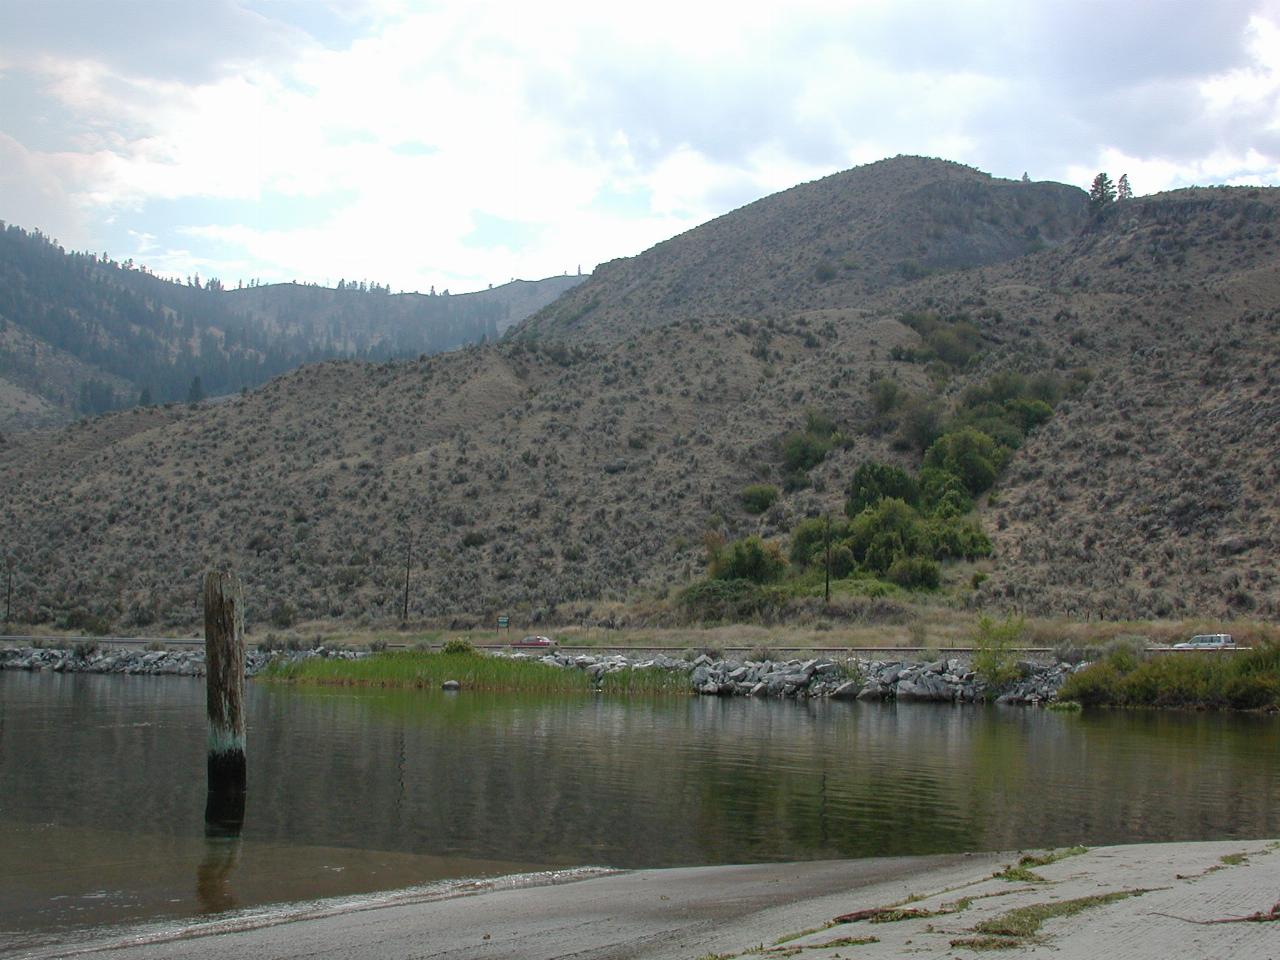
(213, 876)
(367, 790)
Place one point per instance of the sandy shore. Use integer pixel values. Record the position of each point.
(1138, 901)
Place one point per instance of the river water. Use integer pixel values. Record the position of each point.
(102, 789)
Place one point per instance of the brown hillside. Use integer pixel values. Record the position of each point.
(535, 475)
(832, 242)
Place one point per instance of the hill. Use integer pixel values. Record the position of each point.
(548, 476)
(81, 334)
(834, 242)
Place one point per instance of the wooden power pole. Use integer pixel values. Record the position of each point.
(826, 594)
(224, 675)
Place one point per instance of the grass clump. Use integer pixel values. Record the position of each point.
(1025, 922)
(1021, 871)
(414, 669)
(646, 682)
(475, 671)
(1248, 680)
(846, 942)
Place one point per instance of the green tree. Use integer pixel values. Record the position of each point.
(1101, 193)
(873, 481)
(195, 392)
(881, 534)
(1123, 190)
(971, 455)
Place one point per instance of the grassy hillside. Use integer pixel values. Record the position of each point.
(550, 476)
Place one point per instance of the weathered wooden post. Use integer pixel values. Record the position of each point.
(224, 676)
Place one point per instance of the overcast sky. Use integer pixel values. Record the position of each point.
(461, 144)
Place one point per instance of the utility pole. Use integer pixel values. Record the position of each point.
(827, 591)
(408, 561)
(8, 597)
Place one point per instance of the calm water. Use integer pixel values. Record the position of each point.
(102, 789)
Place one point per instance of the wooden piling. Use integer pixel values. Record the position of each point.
(224, 677)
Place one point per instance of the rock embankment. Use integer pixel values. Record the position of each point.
(941, 681)
(175, 663)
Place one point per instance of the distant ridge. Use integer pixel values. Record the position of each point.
(82, 335)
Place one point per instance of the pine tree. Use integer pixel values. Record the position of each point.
(1123, 190)
(195, 393)
(1102, 193)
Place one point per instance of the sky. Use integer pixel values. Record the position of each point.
(461, 144)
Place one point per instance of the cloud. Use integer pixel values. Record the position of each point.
(33, 195)
(460, 144)
(158, 39)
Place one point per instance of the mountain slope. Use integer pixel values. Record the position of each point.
(831, 242)
(79, 334)
(538, 474)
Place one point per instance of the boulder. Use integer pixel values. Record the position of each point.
(848, 690)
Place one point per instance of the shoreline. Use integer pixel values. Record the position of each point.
(944, 680)
(1193, 899)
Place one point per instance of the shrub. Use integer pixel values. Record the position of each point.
(919, 424)
(84, 649)
(751, 558)
(915, 573)
(759, 497)
(1028, 414)
(994, 656)
(880, 534)
(458, 646)
(886, 396)
(804, 451)
(283, 615)
(819, 424)
(873, 482)
(957, 538)
(474, 538)
(970, 454)
(717, 600)
(943, 494)
(843, 562)
(86, 621)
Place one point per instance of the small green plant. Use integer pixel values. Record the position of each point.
(994, 654)
(458, 646)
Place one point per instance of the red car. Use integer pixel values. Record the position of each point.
(541, 643)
